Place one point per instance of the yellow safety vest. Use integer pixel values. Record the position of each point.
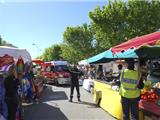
(129, 83)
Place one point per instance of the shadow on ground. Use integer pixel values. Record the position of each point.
(43, 111)
(64, 85)
(46, 109)
(49, 95)
(91, 105)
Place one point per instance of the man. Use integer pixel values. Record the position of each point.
(75, 74)
(129, 91)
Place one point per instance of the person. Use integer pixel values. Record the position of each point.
(120, 69)
(3, 105)
(91, 73)
(130, 91)
(11, 86)
(116, 78)
(99, 72)
(29, 76)
(75, 74)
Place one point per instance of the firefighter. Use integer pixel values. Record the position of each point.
(75, 74)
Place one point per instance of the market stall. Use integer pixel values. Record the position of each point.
(108, 56)
(105, 93)
(15, 59)
(107, 98)
(150, 95)
(16, 53)
(147, 47)
(150, 110)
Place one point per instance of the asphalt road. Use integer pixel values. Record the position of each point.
(54, 105)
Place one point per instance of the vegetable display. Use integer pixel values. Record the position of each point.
(149, 96)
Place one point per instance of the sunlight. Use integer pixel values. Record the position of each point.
(51, 103)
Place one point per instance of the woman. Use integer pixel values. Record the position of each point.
(11, 86)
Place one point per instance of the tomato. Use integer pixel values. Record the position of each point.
(149, 96)
(157, 96)
(145, 98)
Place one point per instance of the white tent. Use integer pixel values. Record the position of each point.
(83, 62)
(15, 53)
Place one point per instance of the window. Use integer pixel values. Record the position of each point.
(48, 68)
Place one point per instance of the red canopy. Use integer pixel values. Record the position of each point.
(38, 61)
(149, 39)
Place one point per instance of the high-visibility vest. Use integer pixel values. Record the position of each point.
(129, 81)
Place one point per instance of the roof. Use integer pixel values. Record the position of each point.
(16, 53)
(149, 39)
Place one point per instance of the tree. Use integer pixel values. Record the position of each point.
(56, 52)
(69, 54)
(4, 43)
(47, 55)
(79, 41)
(119, 21)
(52, 53)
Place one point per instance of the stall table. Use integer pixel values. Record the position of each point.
(150, 107)
(107, 98)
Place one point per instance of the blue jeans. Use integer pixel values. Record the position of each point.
(130, 105)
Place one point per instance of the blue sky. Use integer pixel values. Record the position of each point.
(41, 21)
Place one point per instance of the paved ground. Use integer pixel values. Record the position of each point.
(54, 105)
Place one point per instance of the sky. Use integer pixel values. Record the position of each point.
(37, 24)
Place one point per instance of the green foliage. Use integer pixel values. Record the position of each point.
(119, 21)
(79, 41)
(52, 53)
(56, 52)
(69, 54)
(2, 42)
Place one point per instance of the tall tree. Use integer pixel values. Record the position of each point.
(3, 42)
(56, 52)
(47, 55)
(69, 53)
(119, 21)
(80, 41)
(52, 53)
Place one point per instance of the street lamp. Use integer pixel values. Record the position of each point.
(37, 48)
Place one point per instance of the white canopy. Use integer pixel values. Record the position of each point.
(15, 53)
(83, 62)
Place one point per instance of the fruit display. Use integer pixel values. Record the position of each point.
(147, 85)
(149, 96)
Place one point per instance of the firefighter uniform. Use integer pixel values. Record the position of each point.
(75, 73)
